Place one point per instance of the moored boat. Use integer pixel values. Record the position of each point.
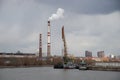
(69, 65)
(83, 68)
(83, 65)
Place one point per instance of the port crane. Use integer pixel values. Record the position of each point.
(65, 57)
(66, 64)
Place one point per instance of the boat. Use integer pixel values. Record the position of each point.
(83, 68)
(83, 65)
(69, 65)
(58, 66)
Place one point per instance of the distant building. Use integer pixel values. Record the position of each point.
(118, 58)
(99, 59)
(108, 64)
(17, 55)
(96, 59)
(100, 54)
(88, 54)
(111, 56)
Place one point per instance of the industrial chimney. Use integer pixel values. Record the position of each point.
(48, 40)
(40, 46)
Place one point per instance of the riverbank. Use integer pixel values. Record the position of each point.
(25, 66)
(100, 68)
(94, 68)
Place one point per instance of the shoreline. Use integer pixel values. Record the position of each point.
(90, 68)
(24, 66)
(98, 68)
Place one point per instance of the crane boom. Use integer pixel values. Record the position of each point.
(64, 42)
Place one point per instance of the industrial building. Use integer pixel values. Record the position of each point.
(17, 55)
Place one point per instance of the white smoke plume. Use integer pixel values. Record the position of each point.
(58, 15)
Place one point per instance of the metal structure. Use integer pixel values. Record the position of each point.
(64, 42)
(48, 41)
(40, 46)
(65, 46)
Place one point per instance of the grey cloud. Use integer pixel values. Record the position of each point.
(95, 32)
(85, 6)
(20, 25)
(22, 21)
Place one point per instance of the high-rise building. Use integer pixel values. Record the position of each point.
(100, 54)
(88, 54)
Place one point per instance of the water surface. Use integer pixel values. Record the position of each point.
(48, 73)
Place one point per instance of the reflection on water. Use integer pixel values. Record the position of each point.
(48, 73)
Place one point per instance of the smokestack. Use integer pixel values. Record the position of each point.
(40, 46)
(48, 41)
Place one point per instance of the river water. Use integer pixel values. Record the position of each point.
(48, 73)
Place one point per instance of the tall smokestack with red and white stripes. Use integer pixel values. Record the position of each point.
(40, 46)
(48, 41)
(57, 15)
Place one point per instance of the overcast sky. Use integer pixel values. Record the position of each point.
(92, 25)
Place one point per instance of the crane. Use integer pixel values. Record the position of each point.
(65, 57)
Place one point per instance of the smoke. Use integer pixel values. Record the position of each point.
(58, 15)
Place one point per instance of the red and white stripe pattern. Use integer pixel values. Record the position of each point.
(48, 42)
(40, 46)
